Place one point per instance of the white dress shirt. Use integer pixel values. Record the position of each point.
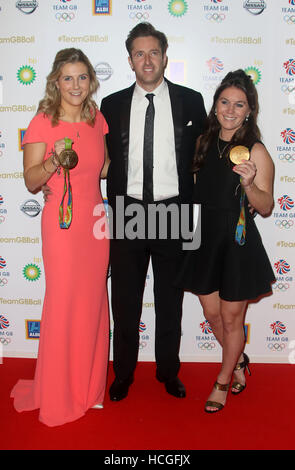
(165, 176)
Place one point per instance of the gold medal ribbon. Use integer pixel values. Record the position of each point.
(240, 234)
(237, 155)
(68, 159)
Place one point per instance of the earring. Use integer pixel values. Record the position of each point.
(247, 117)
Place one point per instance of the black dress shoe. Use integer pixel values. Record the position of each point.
(174, 386)
(119, 389)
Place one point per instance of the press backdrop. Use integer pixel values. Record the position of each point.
(207, 39)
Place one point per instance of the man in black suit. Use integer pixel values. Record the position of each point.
(153, 127)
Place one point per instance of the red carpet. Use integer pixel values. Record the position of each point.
(262, 417)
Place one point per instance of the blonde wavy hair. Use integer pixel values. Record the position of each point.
(50, 104)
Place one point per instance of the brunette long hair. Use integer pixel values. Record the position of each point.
(50, 104)
(246, 135)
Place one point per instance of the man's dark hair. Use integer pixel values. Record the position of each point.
(143, 30)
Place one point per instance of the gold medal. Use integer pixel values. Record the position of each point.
(239, 153)
(68, 158)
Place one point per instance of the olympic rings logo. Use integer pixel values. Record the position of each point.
(65, 16)
(287, 157)
(282, 287)
(284, 223)
(287, 89)
(5, 341)
(289, 19)
(276, 346)
(139, 16)
(208, 346)
(3, 281)
(217, 17)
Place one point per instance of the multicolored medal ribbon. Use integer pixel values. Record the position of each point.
(240, 235)
(237, 155)
(68, 159)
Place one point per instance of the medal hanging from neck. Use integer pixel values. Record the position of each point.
(68, 160)
(237, 155)
(240, 234)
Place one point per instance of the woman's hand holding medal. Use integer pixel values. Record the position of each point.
(66, 156)
(59, 146)
(67, 159)
(244, 167)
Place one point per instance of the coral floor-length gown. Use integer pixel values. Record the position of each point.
(71, 368)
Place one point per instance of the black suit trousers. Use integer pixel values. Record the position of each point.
(129, 259)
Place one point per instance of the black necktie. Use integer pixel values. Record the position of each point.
(148, 151)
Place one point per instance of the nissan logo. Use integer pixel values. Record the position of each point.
(103, 71)
(31, 208)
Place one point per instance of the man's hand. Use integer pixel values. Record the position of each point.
(46, 192)
(252, 210)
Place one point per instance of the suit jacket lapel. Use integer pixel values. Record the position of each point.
(125, 110)
(177, 115)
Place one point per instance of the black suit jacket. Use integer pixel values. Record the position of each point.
(187, 108)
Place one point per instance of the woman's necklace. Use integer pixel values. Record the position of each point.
(221, 151)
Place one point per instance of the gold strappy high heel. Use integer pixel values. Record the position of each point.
(241, 365)
(216, 404)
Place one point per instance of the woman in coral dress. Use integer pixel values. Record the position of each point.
(71, 368)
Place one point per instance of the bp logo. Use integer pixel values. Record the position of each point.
(177, 7)
(31, 272)
(26, 75)
(254, 73)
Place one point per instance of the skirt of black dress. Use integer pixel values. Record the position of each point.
(220, 264)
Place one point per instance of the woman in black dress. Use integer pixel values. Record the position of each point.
(231, 266)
